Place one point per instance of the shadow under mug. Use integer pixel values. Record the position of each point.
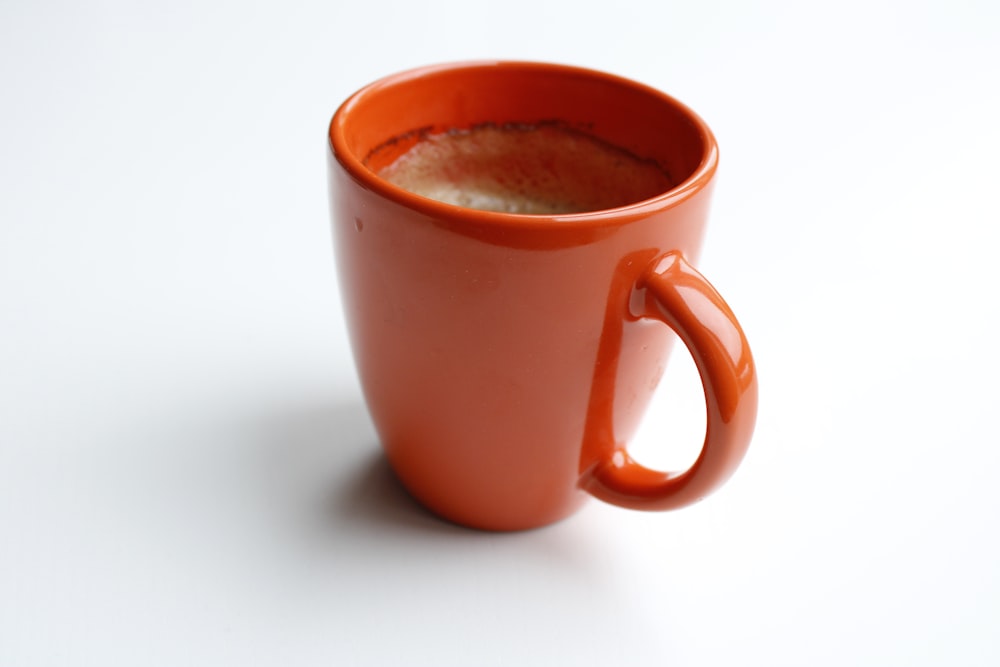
(507, 359)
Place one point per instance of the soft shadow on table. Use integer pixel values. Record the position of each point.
(292, 507)
(334, 448)
(327, 474)
(374, 496)
(345, 539)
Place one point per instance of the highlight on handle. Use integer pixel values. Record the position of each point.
(675, 293)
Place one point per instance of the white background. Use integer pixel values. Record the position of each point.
(187, 472)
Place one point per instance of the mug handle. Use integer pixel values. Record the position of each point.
(674, 292)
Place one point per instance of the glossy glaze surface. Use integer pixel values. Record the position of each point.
(506, 360)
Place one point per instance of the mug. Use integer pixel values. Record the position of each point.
(507, 359)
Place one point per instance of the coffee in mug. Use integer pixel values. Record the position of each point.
(527, 169)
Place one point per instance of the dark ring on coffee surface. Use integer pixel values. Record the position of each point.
(402, 142)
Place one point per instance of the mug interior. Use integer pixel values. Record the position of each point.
(383, 120)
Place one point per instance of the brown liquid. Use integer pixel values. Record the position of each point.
(536, 169)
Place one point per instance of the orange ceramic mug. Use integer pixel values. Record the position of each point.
(506, 359)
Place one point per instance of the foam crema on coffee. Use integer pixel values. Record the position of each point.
(533, 169)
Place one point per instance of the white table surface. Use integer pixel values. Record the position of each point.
(187, 472)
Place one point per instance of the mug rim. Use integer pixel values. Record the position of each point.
(354, 165)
